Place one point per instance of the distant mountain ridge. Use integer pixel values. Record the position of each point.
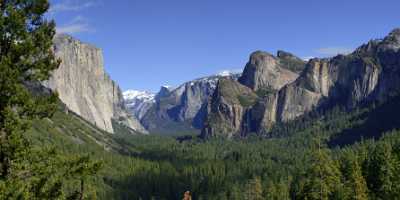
(139, 102)
(183, 106)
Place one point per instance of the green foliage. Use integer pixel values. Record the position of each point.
(292, 64)
(263, 92)
(26, 57)
(235, 93)
(355, 184)
(254, 190)
(322, 178)
(163, 168)
(246, 101)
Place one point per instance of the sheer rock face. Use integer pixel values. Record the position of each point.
(228, 109)
(371, 72)
(238, 107)
(264, 71)
(84, 86)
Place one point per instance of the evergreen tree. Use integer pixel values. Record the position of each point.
(78, 169)
(270, 191)
(322, 178)
(254, 189)
(382, 174)
(235, 193)
(26, 58)
(355, 184)
(282, 191)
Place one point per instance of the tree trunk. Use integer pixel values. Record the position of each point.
(82, 190)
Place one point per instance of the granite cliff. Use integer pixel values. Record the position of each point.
(83, 85)
(236, 106)
(267, 71)
(370, 73)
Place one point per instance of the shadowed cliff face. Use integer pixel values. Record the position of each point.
(371, 72)
(84, 86)
(228, 108)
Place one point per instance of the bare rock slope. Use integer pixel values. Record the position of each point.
(85, 87)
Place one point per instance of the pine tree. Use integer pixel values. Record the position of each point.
(26, 58)
(355, 183)
(282, 191)
(271, 191)
(235, 193)
(254, 189)
(382, 172)
(78, 169)
(323, 176)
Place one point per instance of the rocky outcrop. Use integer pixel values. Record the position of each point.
(290, 62)
(370, 73)
(236, 109)
(164, 92)
(265, 71)
(85, 88)
(228, 109)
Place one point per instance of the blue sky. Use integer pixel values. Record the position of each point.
(149, 43)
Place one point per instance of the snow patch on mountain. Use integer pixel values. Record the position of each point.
(136, 94)
(138, 102)
(229, 72)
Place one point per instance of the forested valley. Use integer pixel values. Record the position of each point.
(330, 155)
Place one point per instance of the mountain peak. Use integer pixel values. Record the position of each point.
(166, 88)
(283, 54)
(395, 32)
(258, 55)
(392, 41)
(136, 94)
(138, 102)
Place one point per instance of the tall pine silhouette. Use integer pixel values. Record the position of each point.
(26, 58)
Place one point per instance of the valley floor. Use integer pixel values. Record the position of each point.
(329, 157)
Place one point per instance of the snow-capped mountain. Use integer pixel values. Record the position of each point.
(184, 105)
(138, 102)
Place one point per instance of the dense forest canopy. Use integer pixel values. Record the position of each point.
(322, 156)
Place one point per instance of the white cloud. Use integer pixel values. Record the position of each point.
(72, 5)
(77, 25)
(307, 58)
(73, 28)
(333, 51)
(229, 72)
